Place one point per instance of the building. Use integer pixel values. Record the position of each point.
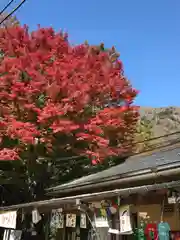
(148, 183)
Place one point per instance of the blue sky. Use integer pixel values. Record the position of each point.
(146, 33)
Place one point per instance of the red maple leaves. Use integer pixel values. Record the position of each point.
(50, 91)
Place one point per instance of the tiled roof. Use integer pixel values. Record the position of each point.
(160, 159)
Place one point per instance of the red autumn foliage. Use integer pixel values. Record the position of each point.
(54, 96)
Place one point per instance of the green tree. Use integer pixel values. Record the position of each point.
(144, 133)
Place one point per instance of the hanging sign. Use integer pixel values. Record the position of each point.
(35, 216)
(71, 220)
(125, 220)
(8, 219)
(172, 200)
(57, 218)
(83, 220)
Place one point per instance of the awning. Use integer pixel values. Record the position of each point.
(59, 202)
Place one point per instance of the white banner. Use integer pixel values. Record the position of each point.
(125, 220)
(8, 220)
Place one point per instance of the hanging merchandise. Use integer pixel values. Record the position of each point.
(171, 200)
(71, 220)
(8, 219)
(114, 231)
(103, 212)
(100, 218)
(108, 211)
(60, 223)
(110, 207)
(173, 197)
(83, 220)
(113, 210)
(151, 231)
(6, 234)
(163, 231)
(36, 216)
(140, 232)
(12, 234)
(163, 227)
(115, 203)
(125, 220)
(101, 222)
(57, 218)
(15, 235)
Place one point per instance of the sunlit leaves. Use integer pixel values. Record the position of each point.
(72, 99)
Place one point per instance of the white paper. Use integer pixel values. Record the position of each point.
(171, 200)
(114, 231)
(101, 222)
(8, 220)
(57, 218)
(83, 220)
(71, 220)
(35, 216)
(125, 220)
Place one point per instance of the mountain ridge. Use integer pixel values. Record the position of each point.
(165, 120)
(157, 127)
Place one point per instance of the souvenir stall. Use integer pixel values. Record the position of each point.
(159, 215)
(68, 225)
(149, 212)
(144, 212)
(8, 221)
(20, 225)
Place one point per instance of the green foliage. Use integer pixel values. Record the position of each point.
(144, 133)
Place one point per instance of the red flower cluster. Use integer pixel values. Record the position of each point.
(50, 91)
